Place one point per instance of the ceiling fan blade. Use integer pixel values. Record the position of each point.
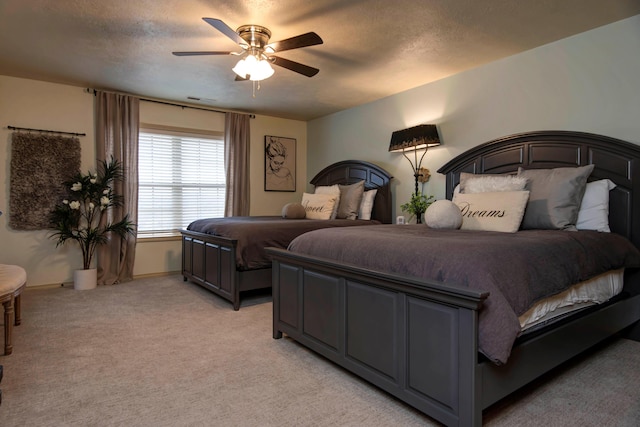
(226, 30)
(295, 66)
(203, 52)
(303, 40)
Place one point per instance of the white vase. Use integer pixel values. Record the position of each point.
(85, 279)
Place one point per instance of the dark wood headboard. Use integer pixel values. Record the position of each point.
(612, 158)
(351, 171)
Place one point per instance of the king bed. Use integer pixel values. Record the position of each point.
(426, 331)
(226, 255)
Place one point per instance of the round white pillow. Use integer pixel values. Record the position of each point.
(443, 214)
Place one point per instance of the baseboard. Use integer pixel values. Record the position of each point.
(160, 274)
(70, 284)
(45, 286)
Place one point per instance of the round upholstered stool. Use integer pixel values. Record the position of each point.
(13, 279)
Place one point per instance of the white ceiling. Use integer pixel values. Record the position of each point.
(372, 48)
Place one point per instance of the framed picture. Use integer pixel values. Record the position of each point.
(279, 163)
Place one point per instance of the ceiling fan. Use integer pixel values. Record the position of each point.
(257, 53)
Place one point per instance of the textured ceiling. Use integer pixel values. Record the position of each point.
(372, 48)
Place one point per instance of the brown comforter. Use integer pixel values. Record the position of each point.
(254, 233)
(517, 269)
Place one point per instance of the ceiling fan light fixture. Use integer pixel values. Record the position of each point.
(240, 68)
(262, 70)
(253, 69)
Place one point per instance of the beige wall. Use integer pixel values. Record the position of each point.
(589, 82)
(36, 104)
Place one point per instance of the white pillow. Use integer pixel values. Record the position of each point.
(366, 205)
(471, 183)
(594, 208)
(318, 206)
(497, 211)
(443, 214)
(334, 190)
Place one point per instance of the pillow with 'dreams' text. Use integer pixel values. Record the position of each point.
(496, 211)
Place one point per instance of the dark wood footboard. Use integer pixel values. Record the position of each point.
(418, 340)
(210, 261)
(415, 340)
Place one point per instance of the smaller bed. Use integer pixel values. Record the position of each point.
(226, 255)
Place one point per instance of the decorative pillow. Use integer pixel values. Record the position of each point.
(555, 197)
(333, 190)
(498, 211)
(443, 214)
(491, 183)
(293, 211)
(594, 209)
(350, 197)
(318, 206)
(366, 205)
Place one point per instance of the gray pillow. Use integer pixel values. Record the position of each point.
(350, 198)
(555, 197)
(293, 211)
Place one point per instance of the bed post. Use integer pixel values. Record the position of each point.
(469, 373)
(632, 286)
(275, 290)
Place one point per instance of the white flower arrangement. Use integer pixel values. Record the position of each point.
(79, 216)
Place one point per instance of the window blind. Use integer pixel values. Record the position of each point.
(181, 178)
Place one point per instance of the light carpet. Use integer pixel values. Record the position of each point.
(163, 352)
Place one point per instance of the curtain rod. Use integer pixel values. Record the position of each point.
(47, 131)
(253, 116)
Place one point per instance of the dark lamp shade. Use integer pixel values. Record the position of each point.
(414, 138)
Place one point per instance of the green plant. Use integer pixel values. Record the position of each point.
(79, 216)
(417, 205)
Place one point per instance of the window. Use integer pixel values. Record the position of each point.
(181, 178)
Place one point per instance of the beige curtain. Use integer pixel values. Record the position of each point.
(117, 125)
(236, 163)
